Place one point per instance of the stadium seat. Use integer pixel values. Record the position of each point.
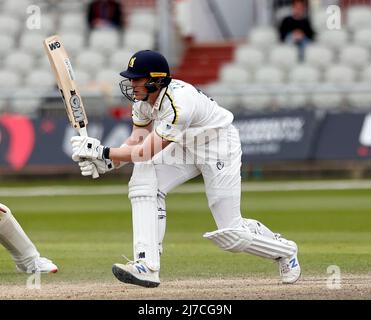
(9, 79)
(284, 56)
(9, 25)
(319, 20)
(83, 77)
(355, 56)
(90, 61)
(340, 74)
(6, 44)
(73, 42)
(359, 17)
(223, 94)
(108, 76)
(32, 43)
(249, 57)
(257, 101)
(319, 56)
(40, 79)
(363, 38)
(298, 100)
(104, 41)
(42, 63)
(19, 61)
(120, 59)
(136, 40)
(68, 6)
(304, 74)
(360, 100)
(328, 101)
(142, 19)
(333, 39)
(72, 22)
(233, 73)
(48, 25)
(26, 101)
(16, 8)
(269, 75)
(263, 38)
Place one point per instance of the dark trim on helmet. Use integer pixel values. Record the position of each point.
(130, 75)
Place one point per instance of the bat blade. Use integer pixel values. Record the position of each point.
(65, 78)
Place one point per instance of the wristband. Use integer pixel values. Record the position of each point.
(106, 151)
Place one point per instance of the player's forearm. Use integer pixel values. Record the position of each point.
(138, 153)
(129, 153)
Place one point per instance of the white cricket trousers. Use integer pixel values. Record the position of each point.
(219, 162)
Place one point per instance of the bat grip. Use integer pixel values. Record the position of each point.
(83, 132)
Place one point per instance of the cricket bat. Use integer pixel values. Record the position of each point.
(65, 78)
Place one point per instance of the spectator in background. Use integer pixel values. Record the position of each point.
(105, 14)
(297, 28)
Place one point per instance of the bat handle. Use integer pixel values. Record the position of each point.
(83, 132)
(95, 174)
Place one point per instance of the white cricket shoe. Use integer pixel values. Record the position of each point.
(136, 272)
(289, 267)
(40, 264)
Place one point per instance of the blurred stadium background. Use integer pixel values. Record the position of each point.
(296, 118)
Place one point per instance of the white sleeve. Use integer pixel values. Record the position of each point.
(139, 118)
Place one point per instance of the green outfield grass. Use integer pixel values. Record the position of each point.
(85, 235)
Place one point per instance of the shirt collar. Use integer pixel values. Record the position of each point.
(159, 99)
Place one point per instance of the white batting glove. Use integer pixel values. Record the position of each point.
(102, 166)
(86, 148)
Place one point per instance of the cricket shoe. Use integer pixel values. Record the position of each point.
(41, 265)
(136, 272)
(289, 267)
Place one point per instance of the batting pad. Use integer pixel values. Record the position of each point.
(242, 240)
(14, 239)
(143, 197)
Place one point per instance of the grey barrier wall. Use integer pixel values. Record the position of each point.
(269, 137)
(277, 136)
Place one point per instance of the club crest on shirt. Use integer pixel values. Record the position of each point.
(220, 165)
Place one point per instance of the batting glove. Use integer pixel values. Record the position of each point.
(86, 148)
(102, 166)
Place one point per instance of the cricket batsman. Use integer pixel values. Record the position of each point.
(21, 248)
(179, 133)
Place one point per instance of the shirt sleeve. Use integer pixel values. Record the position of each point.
(139, 118)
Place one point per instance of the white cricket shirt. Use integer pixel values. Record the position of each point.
(181, 108)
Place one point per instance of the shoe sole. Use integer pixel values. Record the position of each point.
(292, 282)
(127, 277)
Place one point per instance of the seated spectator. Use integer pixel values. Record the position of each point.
(297, 28)
(104, 14)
